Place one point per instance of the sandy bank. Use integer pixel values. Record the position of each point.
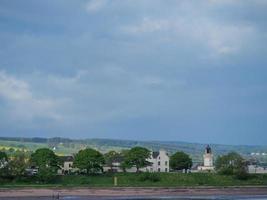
(106, 192)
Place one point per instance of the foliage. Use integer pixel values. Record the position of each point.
(17, 165)
(112, 157)
(90, 160)
(123, 164)
(3, 163)
(137, 157)
(180, 161)
(153, 177)
(45, 174)
(232, 164)
(3, 159)
(45, 157)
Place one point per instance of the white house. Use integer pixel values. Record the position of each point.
(160, 162)
(67, 165)
(255, 169)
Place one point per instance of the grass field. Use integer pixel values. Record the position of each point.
(141, 180)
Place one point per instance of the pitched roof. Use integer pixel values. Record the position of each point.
(155, 154)
(66, 158)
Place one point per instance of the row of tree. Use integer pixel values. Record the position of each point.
(87, 160)
(91, 161)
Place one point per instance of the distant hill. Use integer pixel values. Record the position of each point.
(66, 146)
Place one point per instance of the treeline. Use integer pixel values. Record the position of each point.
(38, 139)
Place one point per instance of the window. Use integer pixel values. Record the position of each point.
(159, 158)
(158, 169)
(159, 163)
(166, 163)
(70, 165)
(166, 169)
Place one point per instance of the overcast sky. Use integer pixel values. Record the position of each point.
(176, 70)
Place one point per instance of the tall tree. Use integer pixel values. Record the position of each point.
(90, 160)
(3, 159)
(232, 164)
(123, 164)
(180, 161)
(3, 163)
(18, 164)
(111, 157)
(45, 158)
(137, 156)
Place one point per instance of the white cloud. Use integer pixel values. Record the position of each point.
(236, 2)
(13, 89)
(147, 25)
(95, 5)
(23, 105)
(220, 38)
(223, 39)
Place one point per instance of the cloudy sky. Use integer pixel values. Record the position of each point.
(180, 70)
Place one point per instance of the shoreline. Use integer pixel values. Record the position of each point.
(134, 191)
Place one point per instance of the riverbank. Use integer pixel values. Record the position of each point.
(132, 192)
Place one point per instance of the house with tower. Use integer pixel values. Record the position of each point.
(208, 160)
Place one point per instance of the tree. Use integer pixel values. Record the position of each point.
(123, 164)
(45, 157)
(232, 164)
(17, 165)
(3, 159)
(137, 157)
(180, 161)
(45, 174)
(90, 160)
(3, 163)
(112, 157)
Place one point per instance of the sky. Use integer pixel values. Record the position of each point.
(176, 70)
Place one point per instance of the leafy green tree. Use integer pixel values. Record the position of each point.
(45, 174)
(180, 161)
(3, 163)
(112, 157)
(11, 150)
(123, 164)
(45, 157)
(232, 164)
(90, 160)
(17, 165)
(3, 158)
(137, 156)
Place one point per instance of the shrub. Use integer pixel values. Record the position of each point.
(153, 177)
(241, 174)
(45, 175)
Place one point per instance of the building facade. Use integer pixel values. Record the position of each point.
(160, 162)
(255, 169)
(208, 160)
(67, 165)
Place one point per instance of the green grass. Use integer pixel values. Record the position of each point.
(137, 180)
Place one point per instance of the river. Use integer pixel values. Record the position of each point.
(259, 197)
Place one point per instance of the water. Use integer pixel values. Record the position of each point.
(143, 198)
